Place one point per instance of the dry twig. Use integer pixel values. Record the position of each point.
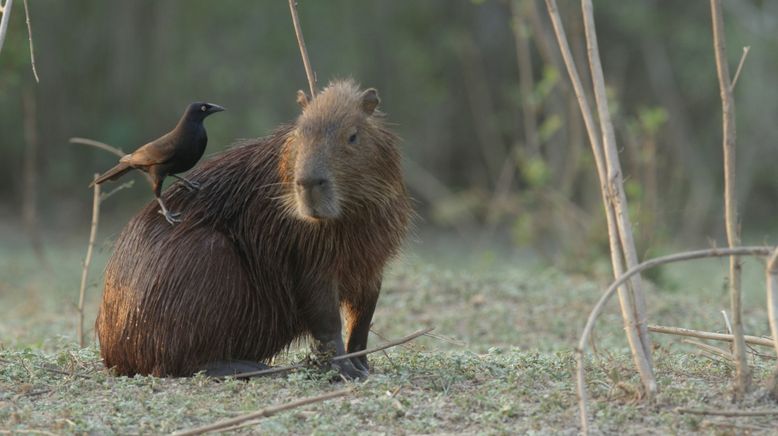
(88, 260)
(719, 412)
(29, 36)
(298, 31)
(726, 321)
(98, 144)
(5, 9)
(755, 340)
(630, 311)
(595, 313)
(617, 195)
(733, 426)
(746, 49)
(709, 349)
(742, 370)
(124, 185)
(269, 411)
(771, 272)
(297, 366)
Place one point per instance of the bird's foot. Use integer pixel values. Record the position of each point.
(191, 186)
(171, 217)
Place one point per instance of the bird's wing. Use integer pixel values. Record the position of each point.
(155, 152)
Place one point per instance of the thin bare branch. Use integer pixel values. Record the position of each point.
(298, 31)
(29, 36)
(742, 370)
(626, 297)
(5, 9)
(98, 144)
(679, 331)
(595, 313)
(726, 321)
(746, 49)
(771, 271)
(710, 349)
(88, 260)
(617, 195)
(263, 413)
(108, 194)
(391, 344)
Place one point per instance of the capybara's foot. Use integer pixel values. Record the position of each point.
(227, 368)
(360, 363)
(190, 185)
(348, 370)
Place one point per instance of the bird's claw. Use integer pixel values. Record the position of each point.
(171, 217)
(192, 186)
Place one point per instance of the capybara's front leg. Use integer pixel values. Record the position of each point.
(359, 315)
(324, 322)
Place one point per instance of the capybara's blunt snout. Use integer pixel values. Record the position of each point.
(314, 188)
(316, 198)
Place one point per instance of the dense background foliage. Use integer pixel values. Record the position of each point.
(490, 150)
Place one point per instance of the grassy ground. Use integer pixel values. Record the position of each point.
(502, 360)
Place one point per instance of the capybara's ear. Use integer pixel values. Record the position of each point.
(302, 99)
(370, 100)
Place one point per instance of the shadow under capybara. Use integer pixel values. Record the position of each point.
(285, 232)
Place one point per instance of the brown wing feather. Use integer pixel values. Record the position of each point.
(154, 153)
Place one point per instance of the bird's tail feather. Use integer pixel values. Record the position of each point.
(112, 174)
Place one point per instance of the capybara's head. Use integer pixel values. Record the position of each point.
(339, 155)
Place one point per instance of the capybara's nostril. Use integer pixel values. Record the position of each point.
(309, 183)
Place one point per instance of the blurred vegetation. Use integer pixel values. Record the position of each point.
(493, 139)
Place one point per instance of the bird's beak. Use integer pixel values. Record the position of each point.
(216, 108)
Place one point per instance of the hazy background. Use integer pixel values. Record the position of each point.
(494, 145)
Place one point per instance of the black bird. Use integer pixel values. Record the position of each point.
(174, 152)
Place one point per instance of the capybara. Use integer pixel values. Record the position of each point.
(284, 233)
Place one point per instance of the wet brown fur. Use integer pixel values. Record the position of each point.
(240, 275)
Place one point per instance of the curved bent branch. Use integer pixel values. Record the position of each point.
(595, 313)
(98, 144)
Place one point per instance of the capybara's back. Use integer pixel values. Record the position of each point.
(284, 232)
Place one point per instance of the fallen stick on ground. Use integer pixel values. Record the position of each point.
(391, 344)
(733, 413)
(679, 331)
(269, 411)
(710, 349)
(733, 426)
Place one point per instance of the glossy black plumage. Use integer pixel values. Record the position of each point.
(174, 152)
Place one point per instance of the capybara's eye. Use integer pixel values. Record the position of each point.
(352, 139)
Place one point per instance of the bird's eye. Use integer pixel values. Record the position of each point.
(203, 108)
(352, 139)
